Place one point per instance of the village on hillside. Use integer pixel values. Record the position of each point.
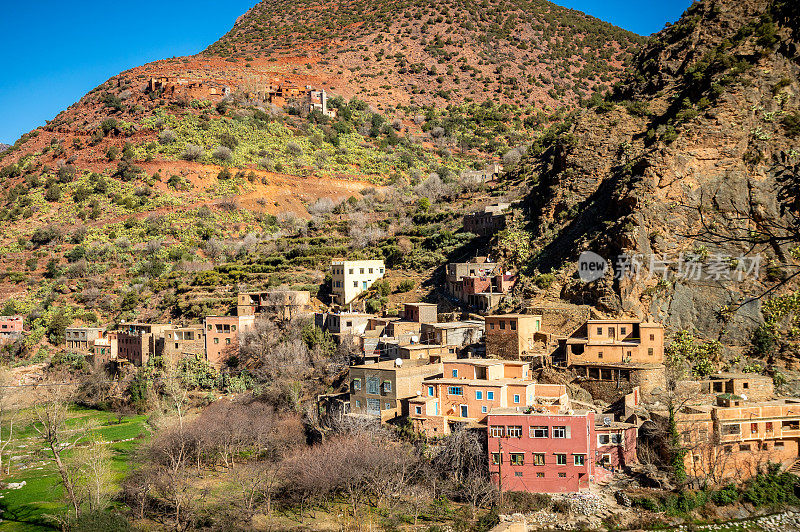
(564, 398)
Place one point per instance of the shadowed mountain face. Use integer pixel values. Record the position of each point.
(696, 155)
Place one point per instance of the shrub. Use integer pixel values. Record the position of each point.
(791, 123)
(406, 285)
(127, 171)
(524, 502)
(222, 153)
(53, 193)
(191, 152)
(229, 141)
(224, 174)
(167, 137)
(45, 235)
(771, 487)
(382, 287)
(112, 153)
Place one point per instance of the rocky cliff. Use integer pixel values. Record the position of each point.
(693, 160)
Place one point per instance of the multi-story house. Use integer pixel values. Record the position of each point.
(479, 283)
(82, 338)
(280, 304)
(349, 278)
(222, 336)
(421, 312)
(488, 220)
(511, 336)
(137, 342)
(381, 389)
(180, 342)
(460, 333)
(102, 352)
(470, 388)
(555, 451)
(622, 353)
(11, 327)
(734, 438)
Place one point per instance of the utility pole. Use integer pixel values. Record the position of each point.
(500, 469)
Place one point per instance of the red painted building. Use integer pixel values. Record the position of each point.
(544, 452)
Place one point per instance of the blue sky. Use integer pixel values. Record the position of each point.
(57, 51)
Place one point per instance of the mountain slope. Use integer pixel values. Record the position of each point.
(512, 51)
(691, 155)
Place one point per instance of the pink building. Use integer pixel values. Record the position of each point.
(545, 452)
(222, 336)
(10, 326)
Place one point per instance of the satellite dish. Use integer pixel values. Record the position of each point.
(398, 362)
(744, 397)
(607, 421)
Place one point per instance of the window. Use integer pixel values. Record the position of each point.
(478, 395)
(502, 325)
(561, 432)
(652, 337)
(517, 473)
(380, 270)
(580, 459)
(561, 459)
(517, 459)
(538, 458)
(605, 459)
(562, 475)
(497, 431)
(731, 429)
(489, 396)
(227, 341)
(209, 327)
(769, 426)
(779, 445)
(372, 385)
(356, 384)
(616, 438)
(233, 327)
(611, 332)
(753, 428)
(484, 409)
(540, 474)
(603, 439)
(516, 398)
(600, 331)
(387, 386)
(622, 330)
(350, 270)
(216, 340)
(515, 431)
(513, 325)
(744, 447)
(650, 351)
(355, 284)
(454, 390)
(497, 458)
(388, 406)
(538, 432)
(349, 324)
(358, 403)
(491, 326)
(464, 411)
(418, 410)
(455, 373)
(745, 385)
(600, 354)
(430, 391)
(370, 270)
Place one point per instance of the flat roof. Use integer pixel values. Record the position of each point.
(513, 316)
(520, 411)
(456, 324)
(490, 362)
(390, 364)
(619, 365)
(419, 304)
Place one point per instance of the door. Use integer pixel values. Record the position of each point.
(373, 406)
(464, 411)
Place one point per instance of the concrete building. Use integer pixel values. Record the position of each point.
(541, 452)
(82, 338)
(460, 333)
(381, 389)
(616, 355)
(733, 438)
(349, 278)
(471, 388)
(488, 220)
(479, 283)
(343, 323)
(750, 386)
(490, 172)
(11, 327)
(278, 304)
(137, 342)
(511, 336)
(222, 336)
(181, 342)
(102, 353)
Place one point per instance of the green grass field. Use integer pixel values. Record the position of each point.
(27, 508)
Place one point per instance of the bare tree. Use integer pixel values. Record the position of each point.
(8, 414)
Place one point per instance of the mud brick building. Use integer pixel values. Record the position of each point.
(460, 333)
(181, 342)
(614, 356)
(349, 278)
(279, 304)
(82, 338)
(222, 336)
(137, 342)
(487, 221)
(381, 389)
(471, 388)
(511, 336)
(733, 438)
